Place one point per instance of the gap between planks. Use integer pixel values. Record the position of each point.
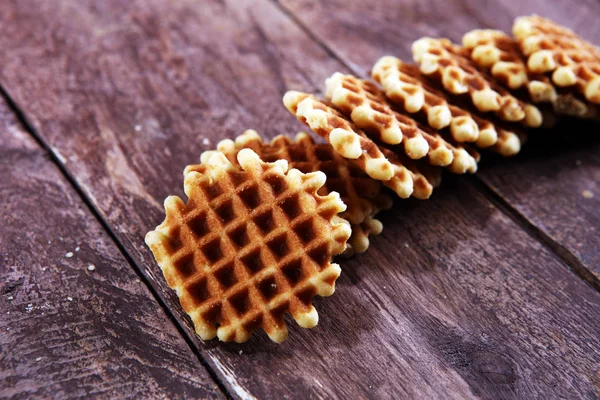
(28, 127)
(562, 252)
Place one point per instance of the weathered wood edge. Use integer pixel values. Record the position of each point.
(55, 159)
(67, 308)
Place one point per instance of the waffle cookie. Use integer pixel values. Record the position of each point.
(348, 93)
(403, 82)
(363, 196)
(550, 47)
(449, 65)
(252, 243)
(352, 143)
(359, 241)
(500, 54)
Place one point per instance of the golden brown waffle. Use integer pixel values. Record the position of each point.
(401, 81)
(425, 177)
(550, 47)
(425, 181)
(356, 189)
(252, 243)
(449, 64)
(348, 93)
(464, 124)
(359, 241)
(351, 142)
(362, 195)
(413, 95)
(500, 54)
(360, 101)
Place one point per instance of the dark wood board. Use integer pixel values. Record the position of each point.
(68, 330)
(454, 300)
(552, 186)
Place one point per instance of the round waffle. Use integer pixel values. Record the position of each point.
(349, 94)
(500, 54)
(550, 47)
(402, 81)
(449, 64)
(252, 243)
(352, 143)
(363, 196)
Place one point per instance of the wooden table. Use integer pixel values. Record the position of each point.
(487, 290)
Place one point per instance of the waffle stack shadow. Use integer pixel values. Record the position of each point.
(263, 220)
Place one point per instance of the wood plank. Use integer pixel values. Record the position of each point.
(555, 190)
(76, 321)
(453, 301)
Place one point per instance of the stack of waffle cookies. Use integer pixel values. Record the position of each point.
(263, 220)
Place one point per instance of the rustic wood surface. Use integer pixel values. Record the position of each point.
(466, 295)
(76, 320)
(553, 191)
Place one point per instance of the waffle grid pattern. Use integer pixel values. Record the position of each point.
(464, 125)
(499, 54)
(550, 47)
(363, 196)
(249, 246)
(449, 64)
(351, 142)
(348, 92)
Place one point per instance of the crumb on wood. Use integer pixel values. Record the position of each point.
(137, 128)
(91, 267)
(587, 194)
(206, 141)
(70, 298)
(77, 249)
(69, 254)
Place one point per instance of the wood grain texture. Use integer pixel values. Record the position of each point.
(554, 184)
(454, 300)
(555, 190)
(68, 330)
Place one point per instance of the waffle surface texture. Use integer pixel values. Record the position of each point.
(363, 196)
(252, 243)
